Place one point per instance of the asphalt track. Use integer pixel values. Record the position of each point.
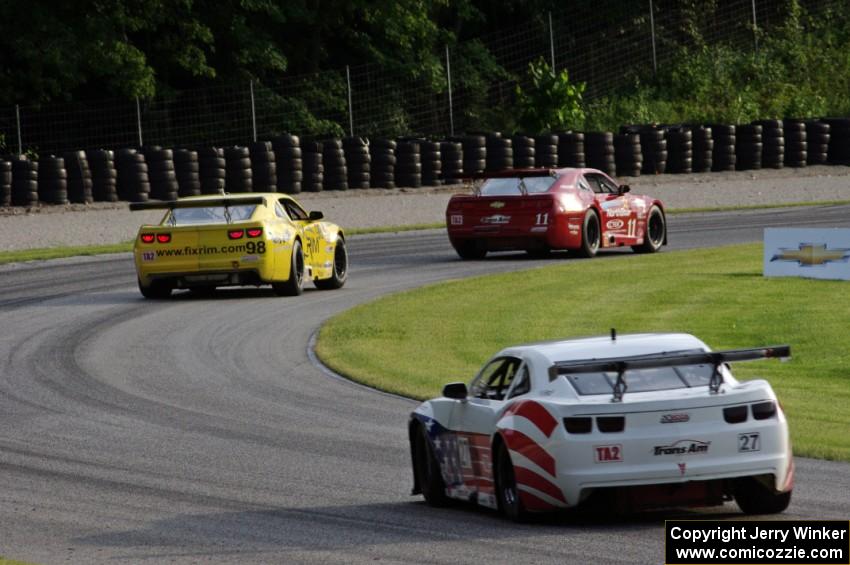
(197, 430)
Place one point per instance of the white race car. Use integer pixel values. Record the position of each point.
(633, 422)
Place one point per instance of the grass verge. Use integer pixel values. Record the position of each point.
(413, 342)
(57, 252)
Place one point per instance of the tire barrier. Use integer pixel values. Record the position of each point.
(313, 166)
(187, 169)
(749, 147)
(499, 153)
(474, 154)
(408, 169)
(599, 148)
(161, 173)
(723, 156)
(238, 174)
(432, 163)
(627, 154)
(680, 149)
(336, 171)
(703, 148)
(287, 154)
(358, 161)
(134, 184)
(104, 176)
(263, 166)
(654, 147)
(572, 150)
(839, 140)
(213, 170)
(817, 142)
(52, 180)
(24, 181)
(79, 177)
(773, 137)
(382, 152)
(5, 182)
(546, 151)
(796, 143)
(524, 151)
(451, 153)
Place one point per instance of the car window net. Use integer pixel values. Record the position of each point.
(212, 214)
(643, 380)
(511, 186)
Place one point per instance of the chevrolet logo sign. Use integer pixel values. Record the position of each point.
(497, 204)
(812, 254)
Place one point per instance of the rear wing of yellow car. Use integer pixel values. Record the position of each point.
(197, 203)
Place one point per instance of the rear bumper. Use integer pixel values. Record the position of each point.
(241, 277)
(564, 232)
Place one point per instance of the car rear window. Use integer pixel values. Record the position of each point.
(211, 214)
(511, 186)
(643, 380)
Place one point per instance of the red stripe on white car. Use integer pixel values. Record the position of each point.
(531, 479)
(535, 413)
(528, 448)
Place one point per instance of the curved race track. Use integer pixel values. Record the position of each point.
(197, 430)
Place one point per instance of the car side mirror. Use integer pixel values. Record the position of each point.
(455, 390)
(624, 188)
(316, 215)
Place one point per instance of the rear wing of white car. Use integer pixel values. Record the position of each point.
(621, 365)
(199, 203)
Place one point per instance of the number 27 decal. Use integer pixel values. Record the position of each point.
(749, 442)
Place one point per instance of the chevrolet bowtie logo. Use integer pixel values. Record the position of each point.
(497, 204)
(812, 254)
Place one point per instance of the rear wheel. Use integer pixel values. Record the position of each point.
(427, 470)
(590, 235)
(469, 250)
(156, 290)
(506, 489)
(340, 269)
(295, 285)
(656, 231)
(754, 497)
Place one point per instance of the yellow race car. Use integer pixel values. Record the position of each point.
(241, 239)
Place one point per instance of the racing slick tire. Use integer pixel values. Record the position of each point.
(427, 469)
(753, 497)
(469, 250)
(340, 269)
(656, 232)
(591, 235)
(295, 284)
(157, 290)
(507, 493)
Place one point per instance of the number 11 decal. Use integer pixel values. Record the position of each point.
(632, 228)
(542, 219)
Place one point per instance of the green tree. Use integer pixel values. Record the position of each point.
(552, 103)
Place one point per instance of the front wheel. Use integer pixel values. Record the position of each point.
(295, 285)
(340, 269)
(427, 469)
(656, 232)
(506, 489)
(156, 291)
(753, 497)
(591, 235)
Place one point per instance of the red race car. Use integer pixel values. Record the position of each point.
(538, 210)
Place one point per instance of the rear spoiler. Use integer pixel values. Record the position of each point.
(200, 203)
(620, 365)
(508, 173)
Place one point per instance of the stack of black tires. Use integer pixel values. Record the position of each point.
(408, 168)
(546, 151)
(796, 143)
(134, 184)
(263, 166)
(654, 147)
(104, 176)
(5, 182)
(451, 153)
(839, 140)
(336, 170)
(500, 153)
(79, 177)
(358, 161)
(52, 180)
(474, 154)
(213, 168)
(382, 152)
(313, 164)
(817, 142)
(239, 174)
(599, 151)
(723, 158)
(572, 149)
(524, 151)
(161, 172)
(773, 137)
(749, 147)
(432, 163)
(187, 169)
(24, 181)
(680, 149)
(288, 156)
(703, 148)
(627, 154)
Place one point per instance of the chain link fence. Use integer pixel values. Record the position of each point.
(606, 47)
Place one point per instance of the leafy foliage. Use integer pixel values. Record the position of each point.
(552, 103)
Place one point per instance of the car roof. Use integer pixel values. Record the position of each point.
(269, 195)
(604, 347)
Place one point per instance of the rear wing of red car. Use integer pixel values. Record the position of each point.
(199, 203)
(621, 365)
(510, 173)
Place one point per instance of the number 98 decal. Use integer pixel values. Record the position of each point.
(255, 247)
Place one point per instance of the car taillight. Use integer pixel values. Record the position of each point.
(610, 424)
(578, 425)
(163, 237)
(147, 237)
(764, 410)
(235, 234)
(735, 414)
(254, 232)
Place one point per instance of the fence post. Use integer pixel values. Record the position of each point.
(652, 29)
(755, 28)
(350, 109)
(449, 82)
(18, 118)
(551, 43)
(253, 111)
(139, 121)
